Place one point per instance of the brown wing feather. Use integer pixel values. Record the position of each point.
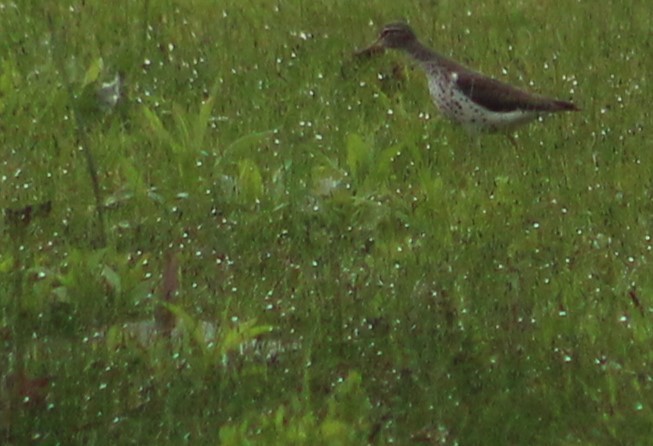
(501, 97)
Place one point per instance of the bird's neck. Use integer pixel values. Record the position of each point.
(428, 58)
(421, 53)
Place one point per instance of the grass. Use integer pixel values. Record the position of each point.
(363, 271)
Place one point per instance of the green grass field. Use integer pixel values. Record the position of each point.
(342, 266)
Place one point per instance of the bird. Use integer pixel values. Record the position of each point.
(478, 103)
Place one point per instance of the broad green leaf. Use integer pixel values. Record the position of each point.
(357, 154)
(133, 175)
(113, 337)
(244, 143)
(156, 126)
(233, 338)
(189, 324)
(6, 264)
(384, 166)
(183, 136)
(250, 181)
(93, 72)
(112, 278)
(203, 117)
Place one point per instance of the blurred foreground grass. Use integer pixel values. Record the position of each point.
(343, 266)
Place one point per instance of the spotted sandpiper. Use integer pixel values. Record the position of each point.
(477, 102)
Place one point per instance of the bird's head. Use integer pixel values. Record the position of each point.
(394, 36)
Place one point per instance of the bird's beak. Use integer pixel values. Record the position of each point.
(372, 50)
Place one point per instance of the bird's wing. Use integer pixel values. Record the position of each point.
(498, 96)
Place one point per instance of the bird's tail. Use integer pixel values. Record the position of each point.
(564, 106)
